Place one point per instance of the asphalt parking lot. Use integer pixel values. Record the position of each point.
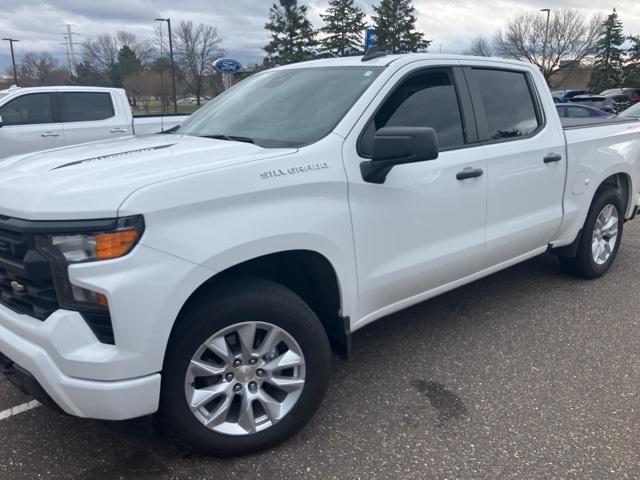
(526, 374)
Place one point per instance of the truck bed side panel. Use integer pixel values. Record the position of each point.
(595, 153)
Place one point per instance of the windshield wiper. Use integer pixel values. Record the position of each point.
(230, 138)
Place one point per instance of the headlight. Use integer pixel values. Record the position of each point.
(64, 249)
(89, 247)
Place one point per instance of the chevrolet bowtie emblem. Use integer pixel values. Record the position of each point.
(17, 287)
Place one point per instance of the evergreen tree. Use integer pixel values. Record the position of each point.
(395, 26)
(344, 29)
(632, 67)
(608, 66)
(293, 38)
(128, 64)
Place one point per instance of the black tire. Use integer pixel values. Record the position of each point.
(240, 301)
(582, 264)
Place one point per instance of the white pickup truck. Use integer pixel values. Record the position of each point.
(201, 278)
(42, 118)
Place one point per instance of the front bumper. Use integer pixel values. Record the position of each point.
(103, 400)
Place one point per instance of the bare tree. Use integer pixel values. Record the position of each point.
(196, 48)
(101, 52)
(571, 37)
(38, 69)
(480, 47)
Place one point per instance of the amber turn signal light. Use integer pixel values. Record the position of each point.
(115, 244)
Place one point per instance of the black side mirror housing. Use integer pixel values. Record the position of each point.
(396, 146)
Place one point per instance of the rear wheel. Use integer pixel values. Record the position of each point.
(600, 238)
(248, 369)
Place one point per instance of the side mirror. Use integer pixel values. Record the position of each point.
(396, 146)
(1, 122)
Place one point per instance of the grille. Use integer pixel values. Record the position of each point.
(26, 284)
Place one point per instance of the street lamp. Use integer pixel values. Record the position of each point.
(13, 58)
(173, 69)
(546, 37)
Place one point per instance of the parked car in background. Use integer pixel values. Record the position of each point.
(572, 110)
(631, 112)
(600, 102)
(563, 96)
(41, 118)
(632, 93)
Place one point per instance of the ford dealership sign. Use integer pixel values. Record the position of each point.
(227, 65)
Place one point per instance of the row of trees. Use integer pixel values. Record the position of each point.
(569, 39)
(122, 60)
(293, 37)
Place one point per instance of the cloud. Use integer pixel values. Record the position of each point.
(449, 23)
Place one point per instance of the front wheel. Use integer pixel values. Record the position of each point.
(248, 368)
(600, 238)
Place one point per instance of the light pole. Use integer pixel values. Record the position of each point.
(544, 45)
(13, 58)
(173, 68)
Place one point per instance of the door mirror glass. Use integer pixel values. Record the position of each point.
(1, 122)
(396, 146)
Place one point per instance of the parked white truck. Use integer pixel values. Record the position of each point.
(203, 277)
(42, 118)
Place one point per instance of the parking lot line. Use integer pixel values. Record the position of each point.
(19, 409)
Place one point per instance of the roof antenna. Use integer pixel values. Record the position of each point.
(373, 52)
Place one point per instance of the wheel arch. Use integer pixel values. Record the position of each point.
(307, 273)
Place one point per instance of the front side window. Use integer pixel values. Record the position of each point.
(282, 108)
(31, 109)
(428, 99)
(85, 106)
(508, 103)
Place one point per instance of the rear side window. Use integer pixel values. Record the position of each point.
(428, 99)
(577, 112)
(508, 103)
(85, 106)
(29, 109)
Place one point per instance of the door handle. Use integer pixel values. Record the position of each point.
(552, 157)
(469, 172)
(119, 130)
(49, 134)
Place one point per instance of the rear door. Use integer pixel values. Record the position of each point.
(526, 161)
(91, 116)
(29, 125)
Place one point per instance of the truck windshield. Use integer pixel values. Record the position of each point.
(282, 108)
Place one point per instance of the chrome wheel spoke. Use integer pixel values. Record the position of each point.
(272, 408)
(246, 417)
(287, 384)
(246, 335)
(287, 360)
(218, 345)
(202, 396)
(200, 368)
(270, 341)
(219, 415)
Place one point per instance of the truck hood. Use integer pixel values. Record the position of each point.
(92, 180)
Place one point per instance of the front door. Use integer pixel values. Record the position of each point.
(28, 125)
(423, 228)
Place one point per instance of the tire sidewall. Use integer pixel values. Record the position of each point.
(272, 304)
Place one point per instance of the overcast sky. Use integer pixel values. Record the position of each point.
(38, 24)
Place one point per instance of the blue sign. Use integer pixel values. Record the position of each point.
(370, 39)
(227, 65)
